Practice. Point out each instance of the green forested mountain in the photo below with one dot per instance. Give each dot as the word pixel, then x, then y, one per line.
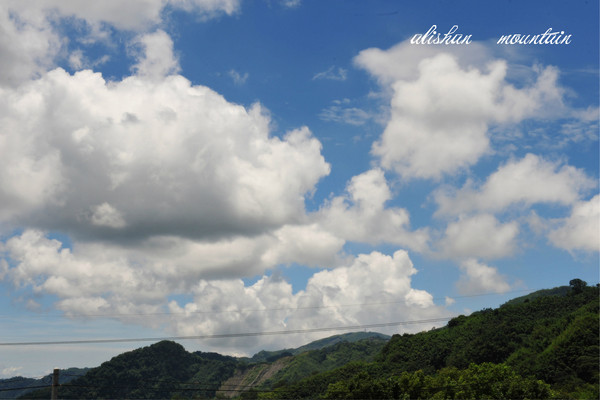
pixel 162 370
pixel 543 345
pixel 539 346
pixel 167 370
pixel 263 376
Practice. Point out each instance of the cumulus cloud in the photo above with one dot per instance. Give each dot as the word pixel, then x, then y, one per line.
pixel 444 103
pixel 100 279
pixel 480 278
pixel 362 216
pixel 480 236
pixel 581 230
pixel 401 61
pixel 527 181
pixel 172 158
pixel 346 295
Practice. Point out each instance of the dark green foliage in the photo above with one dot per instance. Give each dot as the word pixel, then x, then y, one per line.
pixel 557 291
pixel 577 285
pixel 489 335
pixel 495 381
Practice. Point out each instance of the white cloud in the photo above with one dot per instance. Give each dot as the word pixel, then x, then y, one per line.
pixel 104 279
pixel 347 115
pixel 479 236
pixel 106 215
pixel 8 372
pixel 582 126
pixel 479 278
pixel 332 74
pixel 306 244
pixel 581 230
pixel 30 41
pixel 331 298
pixel 28 48
pixel 442 105
pixel 172 158
pixel 78 61
pixel 401 62
pixel 362 216
pixel 527 181
pixel 155 58
pixel 291 3
pixel 238 79
pixel 99 277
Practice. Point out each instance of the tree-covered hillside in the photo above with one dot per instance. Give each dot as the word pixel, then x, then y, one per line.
pixel 540 346
pixel 167 370
pixel 161 371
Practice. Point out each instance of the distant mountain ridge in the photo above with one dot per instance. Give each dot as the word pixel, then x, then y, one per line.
pixel 265 355
pixel 17 386
pixel 126 373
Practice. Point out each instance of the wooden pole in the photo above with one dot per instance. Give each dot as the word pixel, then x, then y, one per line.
pixel 55 384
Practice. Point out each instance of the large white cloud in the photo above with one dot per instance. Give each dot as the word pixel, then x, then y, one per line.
pixel 441 110
pixel 347 295
pixel 159 154
pixel 524 182
pixel 135 285
pixel 97 277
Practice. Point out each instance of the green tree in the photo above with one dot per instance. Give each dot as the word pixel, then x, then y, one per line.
pixel 577 285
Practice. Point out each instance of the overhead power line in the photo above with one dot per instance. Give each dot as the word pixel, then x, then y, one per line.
pixel 226 335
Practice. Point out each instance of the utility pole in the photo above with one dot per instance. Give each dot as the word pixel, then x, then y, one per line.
pixel 55 384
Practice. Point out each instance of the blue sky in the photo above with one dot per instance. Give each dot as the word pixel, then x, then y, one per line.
pixel 199 167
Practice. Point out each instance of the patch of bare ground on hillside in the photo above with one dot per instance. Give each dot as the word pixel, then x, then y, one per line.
pixel 251 377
